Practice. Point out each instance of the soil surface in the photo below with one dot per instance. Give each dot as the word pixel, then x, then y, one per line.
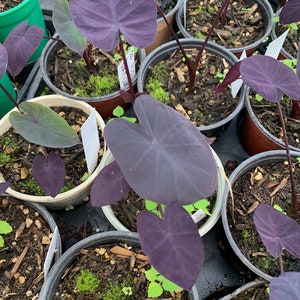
pixel 168 81
pixel 69 72
pixel 18 169
pixel 267 114
pixel 114 268
pixel 24 251
pixel 8 4
pixel 242 25
pixel 264 184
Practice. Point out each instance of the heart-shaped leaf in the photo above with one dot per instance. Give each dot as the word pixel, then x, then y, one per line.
pixel 109 186
pixel 164 157
pixel 277 230
pixel 4 186
pixel 49 172
pixel 285 286
pixel 41 125
pixel 21 43
pixel 270 78
pixel 290 12
pixel 172 244
pixel 66 28
pixel 101 21
pixel 3 60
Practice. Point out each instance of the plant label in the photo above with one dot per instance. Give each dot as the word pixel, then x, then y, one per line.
pixel 90 140
pixel 122 72
pixel 274 47
pixel 236 85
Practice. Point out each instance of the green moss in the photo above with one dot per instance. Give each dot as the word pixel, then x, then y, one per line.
pixel 156 90
pixel 31 187
pixel 117 290
pixel 86 281
pixel 4 158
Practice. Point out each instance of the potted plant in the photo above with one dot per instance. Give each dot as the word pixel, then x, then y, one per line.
pixel 14 13
pixel 99 69
pixel 40 125
pixel 123 249
pixel 30 244
pixel 244 25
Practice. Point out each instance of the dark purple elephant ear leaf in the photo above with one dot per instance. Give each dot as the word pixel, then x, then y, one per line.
pixel 49 172
pixel 290 12
pixel 277 231
pixel 264 74
pixel 172 244
pixel 4 186
pixel 285 286
pixel 3 60
pixel 102 21
pixel 109 186
pixel 21 43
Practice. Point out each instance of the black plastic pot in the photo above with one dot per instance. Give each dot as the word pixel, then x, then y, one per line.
pixel 260 159
pixel 267 13
pixel 110 237
pixel 167 49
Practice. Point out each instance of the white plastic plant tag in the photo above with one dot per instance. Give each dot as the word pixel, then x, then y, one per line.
pixel 123 80
pixel 51 252
pixel 90 140
pixel 236 85
pixel 198 216
pixel 275 46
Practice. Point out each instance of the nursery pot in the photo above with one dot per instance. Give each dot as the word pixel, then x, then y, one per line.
pixel 165 51
pixel 74 196
pixel 103 104
pixel 255 138
pixel 205 227
pixel 96 240
pixel 27 10
pixel 260 160
pixel 163 34
pixel 5 103
pixel 31 245
pixel 267 14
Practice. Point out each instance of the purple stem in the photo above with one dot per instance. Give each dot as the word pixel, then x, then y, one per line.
pixel 9 96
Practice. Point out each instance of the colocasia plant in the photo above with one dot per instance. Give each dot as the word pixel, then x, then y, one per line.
pixel 36 123
pixel 162 157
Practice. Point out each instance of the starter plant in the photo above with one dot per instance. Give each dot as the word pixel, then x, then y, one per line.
pixel 279 233
pixel 36 123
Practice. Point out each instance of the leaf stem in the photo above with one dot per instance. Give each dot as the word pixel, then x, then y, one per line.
pixel 9 96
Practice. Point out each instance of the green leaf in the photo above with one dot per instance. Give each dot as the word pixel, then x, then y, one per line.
pixel 169 286
pixel 118 111
pixel 41 125
pixel 203 204
pixel 5 227
pixel 151 274
pixel 154 290
pixel 1 241
pixel 150 205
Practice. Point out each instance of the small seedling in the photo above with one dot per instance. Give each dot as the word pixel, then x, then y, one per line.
pixel 119 112
pixel 5 228
pixel 158 284
pixel 86 281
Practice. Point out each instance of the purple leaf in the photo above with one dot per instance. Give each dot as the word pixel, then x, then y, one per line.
pixel 3 60
pixel 285 286
pixel 270 78
pixel 290 12
pixel 231 76
pixel 164 157
pixel 49 172
pixel 101 21
pixel 65 27
pixel 21 43
pixel 109 186
pixel 277 231
pixel 4 186
pixel 172 244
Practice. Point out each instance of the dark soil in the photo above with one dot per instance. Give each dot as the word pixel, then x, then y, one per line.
pixel 69 72
pixel 266 184
pixel 242 25
pixel 290 44
pixel 115 267
pixel 23 254
pixel 203 106
pixel 8 4
pixel 18 170
pixel 267 114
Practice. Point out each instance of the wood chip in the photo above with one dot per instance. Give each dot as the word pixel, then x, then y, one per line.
pixel 23 173
pixel 45 240
pixel 28 222
pixel 253 207
pixel 279 187
pixel 180 75
pixel 18 262
pixel 20 230
pixel 122 252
